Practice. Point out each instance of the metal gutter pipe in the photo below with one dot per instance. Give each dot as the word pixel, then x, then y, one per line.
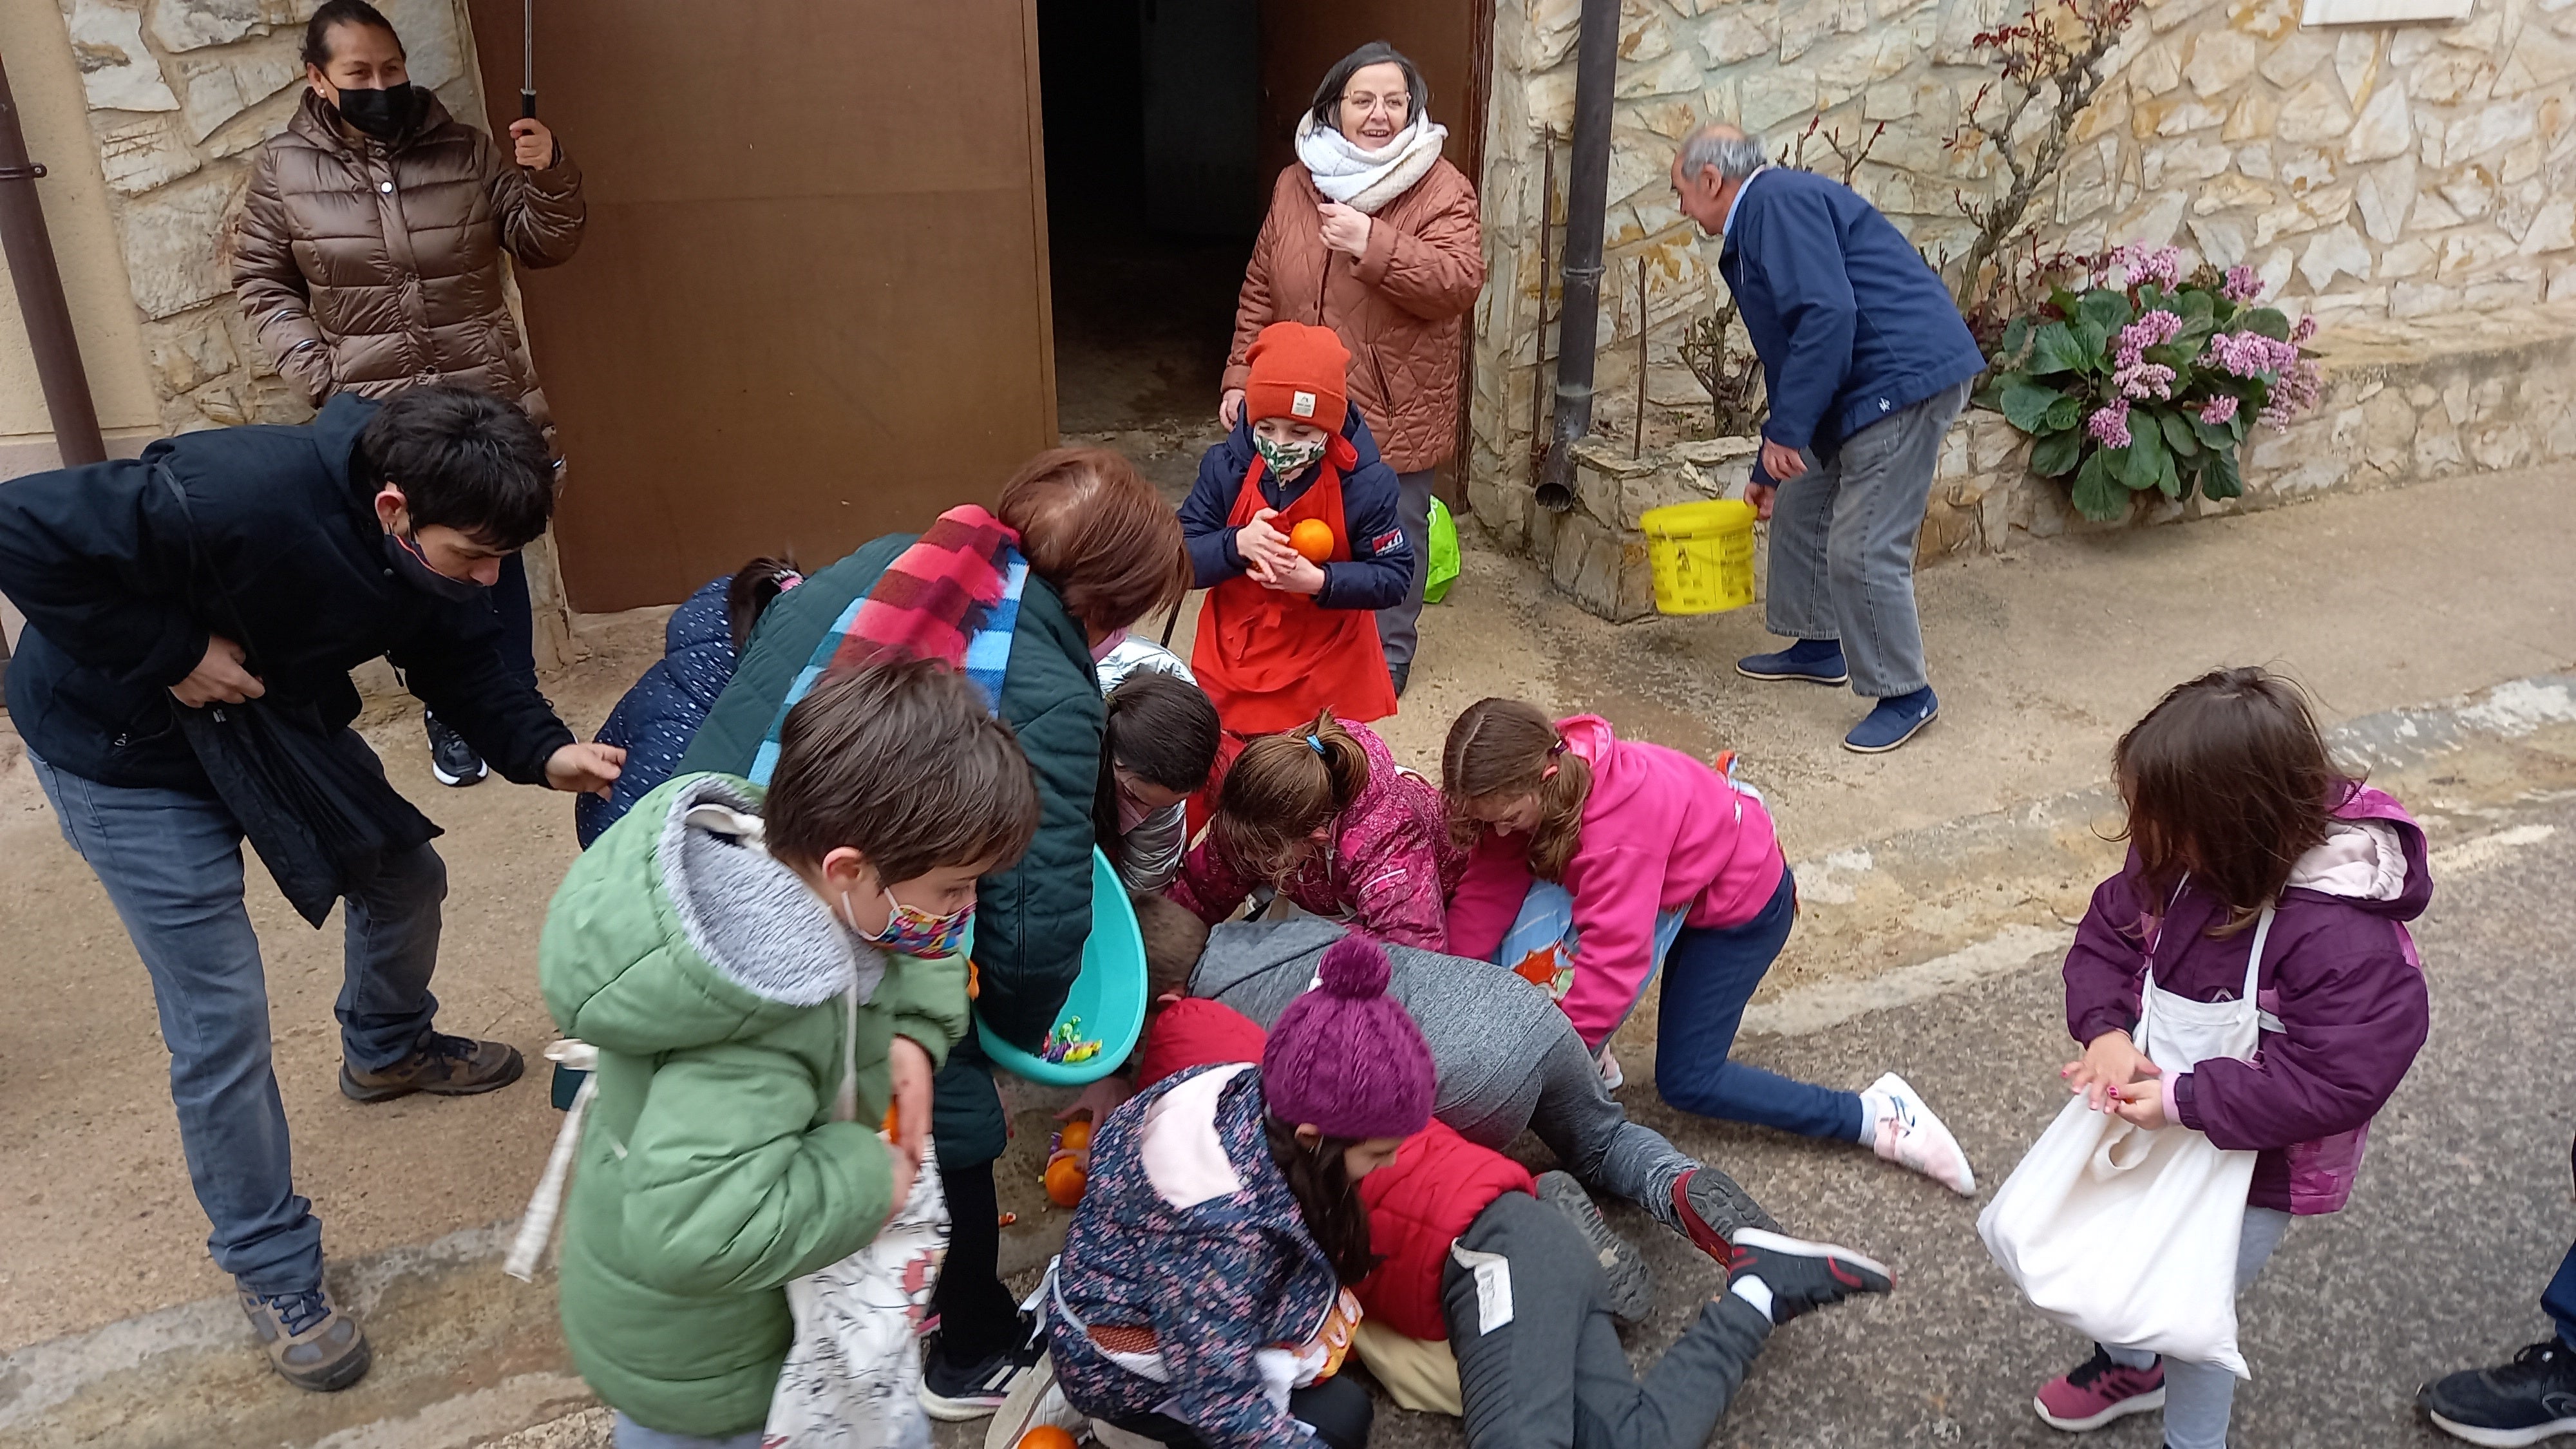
pixel 1587 204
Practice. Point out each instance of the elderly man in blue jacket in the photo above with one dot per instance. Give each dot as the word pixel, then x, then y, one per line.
pixel 1866 362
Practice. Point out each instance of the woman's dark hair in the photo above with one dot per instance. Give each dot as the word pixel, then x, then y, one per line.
pixel 1327 109
pixel 902 760
pixel 754 588
pixel 1280 789
pixel 1162 728
pixel 1505 747
pixel 317 31
pixel 1099 534
pixel 464 460
pixel 2229 782
pixel 1326 1197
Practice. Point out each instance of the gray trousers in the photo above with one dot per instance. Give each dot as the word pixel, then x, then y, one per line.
pixel 1398 628
pixel 1563 1101
pixel 1842 545
pixel 1554 1376
pixel 2199 1397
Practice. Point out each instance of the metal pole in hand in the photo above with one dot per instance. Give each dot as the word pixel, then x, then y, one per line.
pixel 527 59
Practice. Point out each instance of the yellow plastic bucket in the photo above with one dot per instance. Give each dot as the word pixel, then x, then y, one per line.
pixel 1702 555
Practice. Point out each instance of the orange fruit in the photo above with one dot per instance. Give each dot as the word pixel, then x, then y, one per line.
pixel 1075 1135
pixel 894 1120
pixel 1064 1182
pixel 1312 537
pixel 1046 1436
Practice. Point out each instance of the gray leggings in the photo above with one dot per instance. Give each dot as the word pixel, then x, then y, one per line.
pixel 2199 1396
pixel 1563 1101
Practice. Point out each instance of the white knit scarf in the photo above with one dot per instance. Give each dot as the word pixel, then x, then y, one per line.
pixel 1367 180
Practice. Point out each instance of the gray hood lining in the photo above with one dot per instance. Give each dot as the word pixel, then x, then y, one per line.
pixel 751 918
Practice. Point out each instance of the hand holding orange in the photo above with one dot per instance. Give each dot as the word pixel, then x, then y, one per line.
pixel 1312 537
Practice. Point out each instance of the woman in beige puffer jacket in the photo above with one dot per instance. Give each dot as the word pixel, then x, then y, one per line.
pixel 370 267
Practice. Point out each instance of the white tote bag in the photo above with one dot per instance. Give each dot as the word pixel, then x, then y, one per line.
pixel 2129 1236
pixel 853 1377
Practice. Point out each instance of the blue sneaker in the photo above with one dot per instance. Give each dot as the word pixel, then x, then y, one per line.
pixel 1893 723
pixel 1815 661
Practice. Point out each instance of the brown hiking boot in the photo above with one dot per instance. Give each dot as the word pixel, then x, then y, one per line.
pixel 310 1342
pixel 443 1066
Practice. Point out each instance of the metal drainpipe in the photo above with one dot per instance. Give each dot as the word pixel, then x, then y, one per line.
pixel 30 255
pixel 1587 204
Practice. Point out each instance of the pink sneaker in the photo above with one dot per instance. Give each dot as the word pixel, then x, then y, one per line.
pixel 1909 1135
pixel 2098 1391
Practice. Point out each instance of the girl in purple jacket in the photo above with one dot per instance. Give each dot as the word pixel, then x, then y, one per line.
pixel 2235 810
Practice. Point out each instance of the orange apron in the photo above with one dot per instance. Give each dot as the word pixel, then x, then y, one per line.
pixel 1270 660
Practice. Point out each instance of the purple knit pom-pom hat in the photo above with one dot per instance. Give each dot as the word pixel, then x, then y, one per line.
pixel 1344 1058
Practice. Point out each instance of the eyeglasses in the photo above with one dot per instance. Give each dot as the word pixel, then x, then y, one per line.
pixel 1398 103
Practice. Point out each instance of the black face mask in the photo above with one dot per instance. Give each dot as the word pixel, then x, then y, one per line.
pixel 388 114
pixel 414 570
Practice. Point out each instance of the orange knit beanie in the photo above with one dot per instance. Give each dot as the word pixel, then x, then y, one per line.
pixel 1298 372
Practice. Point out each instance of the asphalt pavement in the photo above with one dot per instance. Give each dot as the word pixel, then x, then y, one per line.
pixel 2462 1211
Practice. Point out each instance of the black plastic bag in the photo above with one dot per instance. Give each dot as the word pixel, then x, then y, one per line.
pixel 312 800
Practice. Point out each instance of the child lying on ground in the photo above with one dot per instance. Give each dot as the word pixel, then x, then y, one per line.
pixel 1460 1231
pixel 762 975
pixel 1506 1058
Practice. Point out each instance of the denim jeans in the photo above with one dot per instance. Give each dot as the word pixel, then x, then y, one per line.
pixel 1398 628
pixel 2201 1397
pixel 172 865
pixel 1842 546
pixel 2560 1300
pixel 1710 975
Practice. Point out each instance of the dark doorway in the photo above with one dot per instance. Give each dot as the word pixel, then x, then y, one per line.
pixel 1154 193
pixel 1167 122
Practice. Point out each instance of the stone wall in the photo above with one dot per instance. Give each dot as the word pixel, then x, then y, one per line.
pixel 2382 171
pixel 2405 402
pixel 181 93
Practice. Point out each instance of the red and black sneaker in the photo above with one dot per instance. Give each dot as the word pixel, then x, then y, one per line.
pixel 1713 1207
pixel 1797 1276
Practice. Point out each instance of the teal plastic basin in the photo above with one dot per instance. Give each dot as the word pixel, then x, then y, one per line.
pixel 1109 995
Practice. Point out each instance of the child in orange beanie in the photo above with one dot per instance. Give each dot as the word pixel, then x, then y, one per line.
pixel 1292 531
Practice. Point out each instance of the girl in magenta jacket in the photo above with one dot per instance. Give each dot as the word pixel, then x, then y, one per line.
pixel 2235 807
pixel 1630 830
pixel 1323 815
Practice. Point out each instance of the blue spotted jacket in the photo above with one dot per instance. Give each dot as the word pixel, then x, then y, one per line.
pixel 661 714
pixel 1217 1281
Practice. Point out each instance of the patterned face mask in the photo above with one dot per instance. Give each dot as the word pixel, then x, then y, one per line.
pixel 1287 460
pixel 910 932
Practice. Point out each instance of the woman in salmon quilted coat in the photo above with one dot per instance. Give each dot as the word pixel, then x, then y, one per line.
pixel 1372 234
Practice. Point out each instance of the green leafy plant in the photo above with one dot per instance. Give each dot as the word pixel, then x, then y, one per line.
pixel 2150 384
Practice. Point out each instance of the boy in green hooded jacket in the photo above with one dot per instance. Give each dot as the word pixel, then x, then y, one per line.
pixel 717 945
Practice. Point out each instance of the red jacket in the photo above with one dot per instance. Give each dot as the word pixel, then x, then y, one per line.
pixel 1418 1204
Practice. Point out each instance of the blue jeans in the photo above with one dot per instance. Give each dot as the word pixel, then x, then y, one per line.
pixel 1708 977
pixel 2559 1302
pixel 172 865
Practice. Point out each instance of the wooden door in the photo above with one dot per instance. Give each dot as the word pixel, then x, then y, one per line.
pixel 811 303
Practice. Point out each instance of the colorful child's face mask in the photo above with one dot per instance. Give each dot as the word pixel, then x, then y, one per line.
pixel 912 932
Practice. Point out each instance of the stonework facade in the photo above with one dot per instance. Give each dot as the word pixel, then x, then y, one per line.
pixel 181 93
pixel 2372 174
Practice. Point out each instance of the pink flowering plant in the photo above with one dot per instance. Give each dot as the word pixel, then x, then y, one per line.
pixel 2149 379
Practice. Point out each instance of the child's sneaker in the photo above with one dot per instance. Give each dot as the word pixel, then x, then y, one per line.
pixel 2097 1391
pixel 2522 1402
pixel 1908 1135
pixel 1713 1207
pixel 953 1393
pixel 1632 1283
pixel 1612 1077
pixel 1785 1277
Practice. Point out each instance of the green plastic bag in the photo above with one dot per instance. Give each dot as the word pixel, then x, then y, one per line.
pixel 1444 553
